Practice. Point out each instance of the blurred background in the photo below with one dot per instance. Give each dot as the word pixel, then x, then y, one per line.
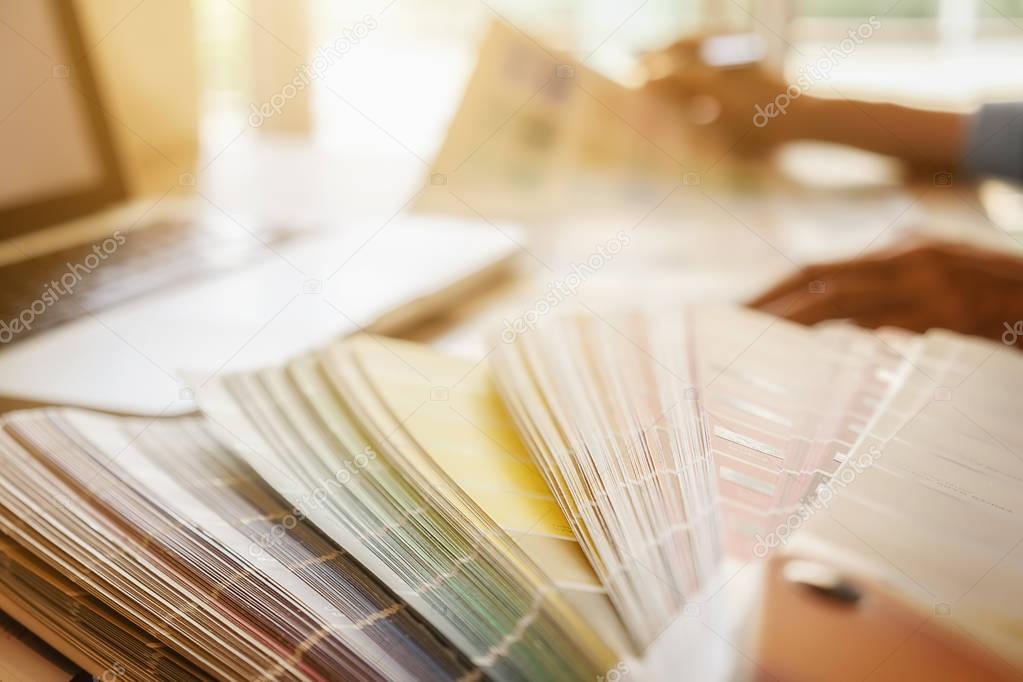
pixel 397 68
pixel 385 77
pixel 385 104
pixel 314 113
pixel 933 51
pixel 336 115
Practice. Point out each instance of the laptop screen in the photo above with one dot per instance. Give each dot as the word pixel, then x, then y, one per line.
pixel 58 160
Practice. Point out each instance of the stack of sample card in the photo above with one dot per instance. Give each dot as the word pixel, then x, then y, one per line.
pixel 406 459
pixel 145 546
pixel 930 498
pixel 672 440
pixel 784 405
pixel 380 510
pixel 619 436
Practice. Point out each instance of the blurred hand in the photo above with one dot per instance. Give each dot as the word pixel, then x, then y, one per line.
pixel 739 104
pixel 752 111
pixel 937 284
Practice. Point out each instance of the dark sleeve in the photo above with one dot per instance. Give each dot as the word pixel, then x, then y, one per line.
pixel 994 143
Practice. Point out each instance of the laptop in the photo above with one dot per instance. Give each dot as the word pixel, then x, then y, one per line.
pixel 107 303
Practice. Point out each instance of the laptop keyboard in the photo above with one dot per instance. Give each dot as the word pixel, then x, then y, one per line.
pixel 42 292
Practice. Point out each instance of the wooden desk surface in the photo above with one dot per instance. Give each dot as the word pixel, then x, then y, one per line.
pixel 707 245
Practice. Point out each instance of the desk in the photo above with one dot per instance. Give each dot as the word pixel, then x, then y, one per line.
pixel 705 245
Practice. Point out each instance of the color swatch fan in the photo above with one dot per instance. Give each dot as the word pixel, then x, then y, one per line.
pixel 620 439
pixel 677 439
pixel 378 510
